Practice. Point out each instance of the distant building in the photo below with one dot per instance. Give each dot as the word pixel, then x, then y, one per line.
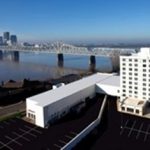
pixel 1 40
pixel 13 39
pixel 6 37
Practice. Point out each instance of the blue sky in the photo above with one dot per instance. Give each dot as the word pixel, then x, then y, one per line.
pixel 102 20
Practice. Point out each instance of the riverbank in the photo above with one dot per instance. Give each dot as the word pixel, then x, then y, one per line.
pixel 12 92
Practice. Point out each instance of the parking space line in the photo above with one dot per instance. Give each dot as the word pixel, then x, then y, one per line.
pixel 33 129
pixel 9 138
pixel 122 128
pixel 27 132
pixel 140 129
pixel 17 138
pixel 69 137
pixel 131 129
pixel 57 146
pixel 147 132
pixel 61 141
pixel 5 145
pixel 73 133
pixel 21 136
pixel 136 130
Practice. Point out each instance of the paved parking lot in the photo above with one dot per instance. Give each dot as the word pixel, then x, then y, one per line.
pixel 123 132
pixel 16 134
pixel 133 128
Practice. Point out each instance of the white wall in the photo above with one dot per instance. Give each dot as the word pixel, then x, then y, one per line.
pixel 108 89
pixel 66 103
pixel 37 111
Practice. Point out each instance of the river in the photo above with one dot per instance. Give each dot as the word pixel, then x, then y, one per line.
pixel 41 66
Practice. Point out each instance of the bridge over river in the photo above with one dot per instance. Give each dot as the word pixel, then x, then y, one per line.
pixel 61 48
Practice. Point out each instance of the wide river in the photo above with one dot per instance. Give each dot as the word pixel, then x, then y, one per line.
pixel 20 65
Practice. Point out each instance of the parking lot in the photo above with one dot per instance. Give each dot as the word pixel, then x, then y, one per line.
pixel 17 134
pixel 133 128
pixel 123 132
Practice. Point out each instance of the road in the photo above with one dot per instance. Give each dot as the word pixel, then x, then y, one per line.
pixel 4 111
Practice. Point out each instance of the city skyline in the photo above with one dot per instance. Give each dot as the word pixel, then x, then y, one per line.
pixel 98 20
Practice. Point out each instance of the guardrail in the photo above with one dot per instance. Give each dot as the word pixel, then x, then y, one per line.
pixel 87 130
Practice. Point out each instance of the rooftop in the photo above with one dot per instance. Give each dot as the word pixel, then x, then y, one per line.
pixel 134 102
pixel 52 96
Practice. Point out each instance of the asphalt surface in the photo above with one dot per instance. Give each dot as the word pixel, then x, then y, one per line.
pixel 119 132
pixel 16 134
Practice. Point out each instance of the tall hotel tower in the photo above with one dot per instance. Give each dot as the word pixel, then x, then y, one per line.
pixel 135 82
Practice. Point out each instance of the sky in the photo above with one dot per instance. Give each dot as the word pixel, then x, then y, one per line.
pixel 81 20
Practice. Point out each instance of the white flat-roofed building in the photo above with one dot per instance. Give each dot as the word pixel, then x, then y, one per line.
pixel 54 104
pixel 135 77
pixel 109 86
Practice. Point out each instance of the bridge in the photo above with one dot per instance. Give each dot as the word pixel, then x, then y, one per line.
pixel 61 48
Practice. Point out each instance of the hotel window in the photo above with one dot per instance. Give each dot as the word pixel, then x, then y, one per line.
pixel 130 69
pixel 130 87
pixel 144 79
pixel 135 78
pixel 135 88
pixel 123 73
pixel 136 65
pixel 130 110
pixel 144 75
pixel 135 74
pixel 123 59
pixel 130 78
pixel 124 86
pixel 123 68
pixel 144 60
pixel 130 82
pixel 123 108
pixel 124 81
pixel 123 64
pixel 144 84
pixel 135 92
pixel 144 89
pixel 144 65
pixel 130 64
pixel 130 91
pixel 137 111
pixel 130 73
pixel 144 93
pixel 144 70
pixel 130 59
pixel 135 60
pixel 135 69
pixel 124 90
pixel 135 83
